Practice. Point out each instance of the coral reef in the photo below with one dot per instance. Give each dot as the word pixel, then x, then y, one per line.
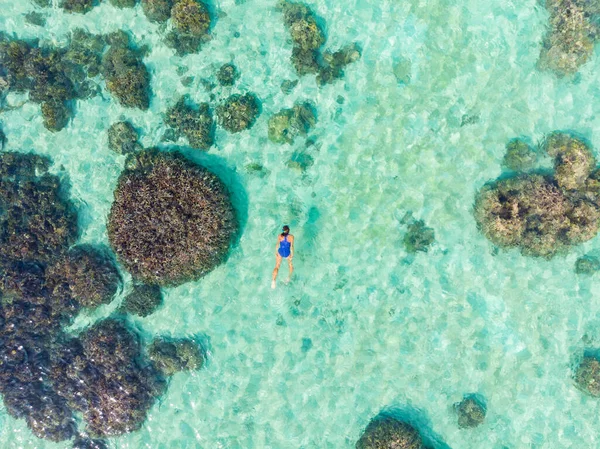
pixel 519 156
pixel 300 161
pixel 77 6
pixel 143 300
pixel 157 10
pixel 302 25
pixel 123 138
pixel 173 356
pixel 386 432
pixel 118 390
pixel 87 443
pixel 334 63
pixel 127 78
pixel 418 237
pixel 470 412
pixel 543 215
pixel 55 115
pixel 288 124
pixel 194 122
pixel 573 159
pixel 171 221
pixel 53 76
pixel 587 376
pixel 35 18
pixel 191 23
pixel 86 274
pixel 190 17
pixel 238 112
pixel 227 75
pixel 287 86
pixel 307 39
pixel 45 374
pixel 569 42
pixel 587 265
pixel 123 3
pixel 532 212
pixel 305 61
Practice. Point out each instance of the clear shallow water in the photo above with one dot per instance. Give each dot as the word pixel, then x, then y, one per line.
pixel 386 329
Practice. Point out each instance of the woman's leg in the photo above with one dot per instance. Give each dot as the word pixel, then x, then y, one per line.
pixel 276 270
pixel 291 267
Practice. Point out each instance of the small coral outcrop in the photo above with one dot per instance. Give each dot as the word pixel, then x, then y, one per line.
pixel 238 112
pixel 386 432
pixel 308 38
pixel 127 78
pixel 470 412
pixel 123 138
pixel 143 300
pixel 287 124
pixel 172 356
pixel 587 376
pixel 195 122
pixel 570 40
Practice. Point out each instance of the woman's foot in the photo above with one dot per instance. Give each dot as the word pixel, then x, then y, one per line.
pixel 273 283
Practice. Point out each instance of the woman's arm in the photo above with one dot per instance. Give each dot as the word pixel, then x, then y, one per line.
pixel 277 246
pixel 292 247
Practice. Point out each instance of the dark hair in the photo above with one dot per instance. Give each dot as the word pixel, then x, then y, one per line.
pixel 286 230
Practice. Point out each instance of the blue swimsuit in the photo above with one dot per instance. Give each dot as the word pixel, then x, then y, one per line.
pixel 284 247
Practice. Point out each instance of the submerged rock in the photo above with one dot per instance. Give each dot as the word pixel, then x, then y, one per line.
pixel 573 159
pixel 334 63
pixel 118 391
pixel 35 18
pixel 55 114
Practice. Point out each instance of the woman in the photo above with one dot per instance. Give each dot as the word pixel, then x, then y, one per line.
pixel 284 250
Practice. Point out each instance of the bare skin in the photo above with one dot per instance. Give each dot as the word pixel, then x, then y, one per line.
pixel 278 258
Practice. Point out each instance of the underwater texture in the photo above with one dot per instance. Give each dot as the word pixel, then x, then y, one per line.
pixel 393 115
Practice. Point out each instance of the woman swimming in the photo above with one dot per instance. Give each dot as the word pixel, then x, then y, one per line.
pixel 284 250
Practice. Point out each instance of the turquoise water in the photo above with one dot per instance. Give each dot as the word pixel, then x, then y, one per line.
pixel 386 329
